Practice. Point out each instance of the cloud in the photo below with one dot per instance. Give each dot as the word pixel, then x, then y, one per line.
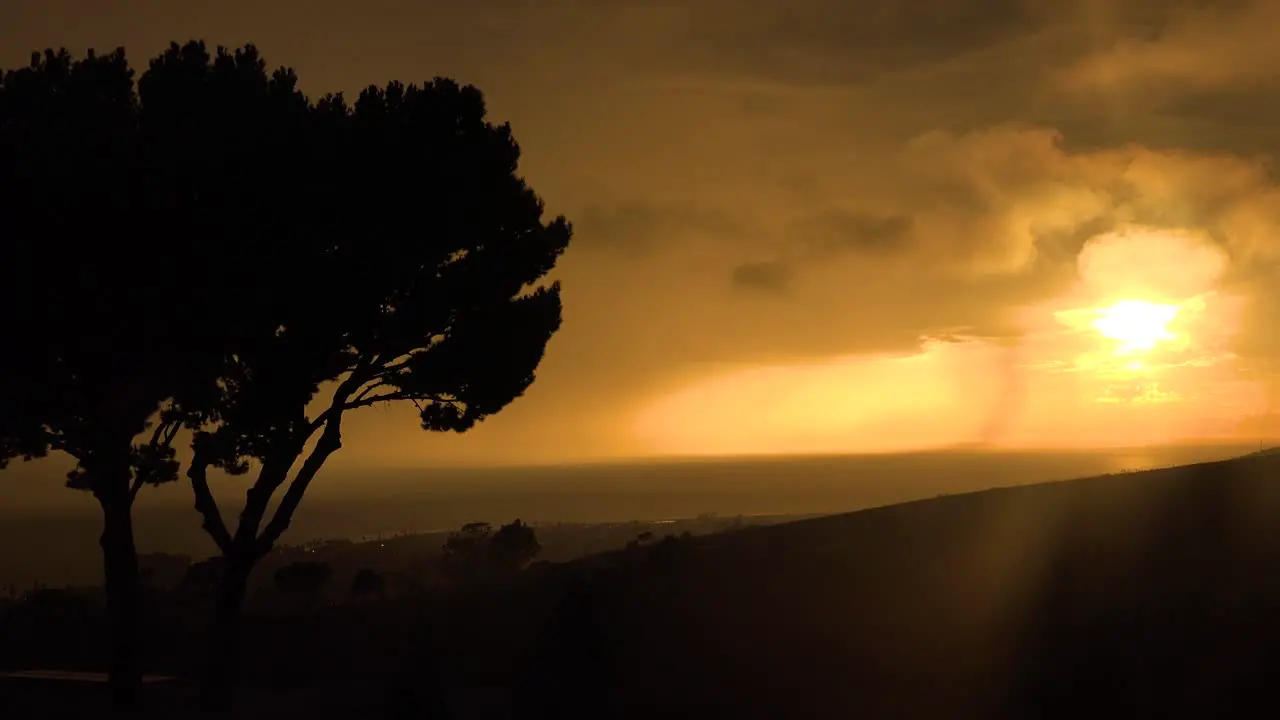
pixel 639 226
pixel 967 227
pixel 1203 46
pixel 809 42
pixel 874 172
pixel 995 200
pixel 1170 263
pixel 841 231
pixel 769 276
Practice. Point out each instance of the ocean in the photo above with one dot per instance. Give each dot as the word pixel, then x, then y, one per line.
pixel 56 543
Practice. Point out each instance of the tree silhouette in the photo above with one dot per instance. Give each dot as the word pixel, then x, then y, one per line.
pixel 513 547
pixel 302 580
pixel 202 579
pixel 117 286
pixel 367 583
pixel 477 552
pixel 404 267
pixel 643 539
pixel 70 388
pixel 466 551
pixel 164 571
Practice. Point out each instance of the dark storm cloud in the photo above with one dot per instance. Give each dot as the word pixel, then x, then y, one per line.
pixel 1249 109
pixel 1238 119
pixel 844 231
pixel 821 42
pixel 769 276
pixel 641 227
pixel 630 227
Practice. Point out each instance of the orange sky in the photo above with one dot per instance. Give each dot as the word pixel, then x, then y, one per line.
pixel 1135 352
pixel 840 225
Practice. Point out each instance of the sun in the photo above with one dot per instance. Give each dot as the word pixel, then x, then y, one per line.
pixel 1137 325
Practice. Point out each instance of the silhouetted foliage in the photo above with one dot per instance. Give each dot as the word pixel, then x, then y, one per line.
pixel 118 285
pixel 477 552
pixel 57 626
pixel 389 252
pixel 513 547
pixel 640 541
pixel 201 579
pixel 672 552
pixel 368 583
pixel 465 553
pixel 303 580
pixel 163 570
pixel 262 247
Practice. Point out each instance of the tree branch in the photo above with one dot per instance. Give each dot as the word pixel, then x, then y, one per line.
pixel 399 395
pixel 274 474
pixel 161 437
pixel 316 424
pixel 158 434
pixel 375 399
pixel 136 486
pixel 172 433
pixel 206 505
pixel 368 388
pixel 361 381
pixel 329 443
pixel 397 365
pixel 371 381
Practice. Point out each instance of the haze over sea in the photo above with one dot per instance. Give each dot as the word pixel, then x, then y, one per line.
pixel 345 503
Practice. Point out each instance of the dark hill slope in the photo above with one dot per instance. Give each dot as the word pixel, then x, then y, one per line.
pixel 1152 594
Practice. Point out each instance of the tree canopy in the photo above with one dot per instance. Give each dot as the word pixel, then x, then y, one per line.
pixel 145 222
pixel 213 250
pixel 387 251
pixel 478 551
pixel 122 265
pixel 87 301
pixel 407 270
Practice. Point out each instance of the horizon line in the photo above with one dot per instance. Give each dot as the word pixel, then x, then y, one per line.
pixel 763 457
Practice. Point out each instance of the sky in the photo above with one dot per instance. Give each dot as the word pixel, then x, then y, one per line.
pixel 838 225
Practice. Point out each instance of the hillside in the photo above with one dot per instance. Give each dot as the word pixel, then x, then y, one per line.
pixel 1141 595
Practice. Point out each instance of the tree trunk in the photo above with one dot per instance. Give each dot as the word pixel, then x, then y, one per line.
pixel 217 693
pixel 121 586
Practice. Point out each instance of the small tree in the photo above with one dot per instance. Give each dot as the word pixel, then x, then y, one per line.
pixel 477 552
pixel 367 583
pixel 406 267
pixel 513 547
pixel 672 553
pixel 302 580
pixel 202 579
pixel 164 571
pixel 641 540
pixel 466 552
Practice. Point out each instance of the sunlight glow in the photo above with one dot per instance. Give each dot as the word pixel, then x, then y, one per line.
pixel 1137 325
pixel 873 403
pixel 1136 352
